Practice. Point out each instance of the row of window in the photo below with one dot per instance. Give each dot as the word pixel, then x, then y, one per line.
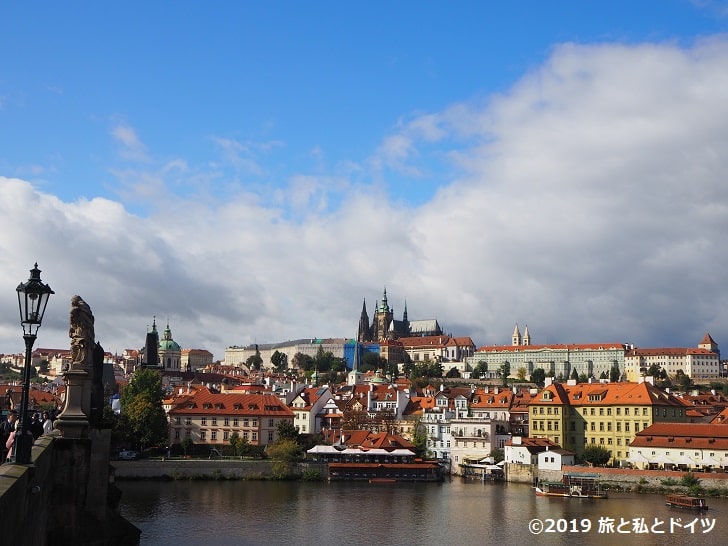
pixel 540 410
pixel 554 425
pixel 251 436
pixel 226 421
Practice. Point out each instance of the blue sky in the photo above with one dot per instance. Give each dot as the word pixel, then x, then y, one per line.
pixel 491 163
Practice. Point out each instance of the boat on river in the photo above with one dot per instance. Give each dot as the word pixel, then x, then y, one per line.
pixel 585 486
pixel 686 501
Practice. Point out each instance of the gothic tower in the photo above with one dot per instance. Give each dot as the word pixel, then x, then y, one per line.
pixel 383 318
pixel 516 339
pixel 150 352
pixel 526 336
pixel 364 334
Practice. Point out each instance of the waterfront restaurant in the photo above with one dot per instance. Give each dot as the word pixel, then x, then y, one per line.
pixel 374 464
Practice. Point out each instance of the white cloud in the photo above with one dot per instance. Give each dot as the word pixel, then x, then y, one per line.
pixel 130 147
pixel 588 202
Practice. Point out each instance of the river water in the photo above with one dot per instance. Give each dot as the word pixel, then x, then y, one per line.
pixel 456 512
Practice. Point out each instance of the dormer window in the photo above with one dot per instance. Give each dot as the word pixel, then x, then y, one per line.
pixel 547 395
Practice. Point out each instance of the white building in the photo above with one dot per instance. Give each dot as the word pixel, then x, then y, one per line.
pixel 701 362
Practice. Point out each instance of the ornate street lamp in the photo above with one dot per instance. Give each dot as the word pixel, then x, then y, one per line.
pixel 32 300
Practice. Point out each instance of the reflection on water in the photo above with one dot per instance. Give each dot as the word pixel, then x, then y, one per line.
pixel 452 513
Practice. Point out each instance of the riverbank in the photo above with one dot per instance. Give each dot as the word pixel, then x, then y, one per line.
pixel 214 469
pixel 612 479
pixel 652 481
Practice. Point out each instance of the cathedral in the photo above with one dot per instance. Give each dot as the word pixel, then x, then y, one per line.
pixel 385 327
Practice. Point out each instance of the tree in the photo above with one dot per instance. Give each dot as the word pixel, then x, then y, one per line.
pixel 303 362
pixel 614 374
pixel 141 406
pixel 254 362
pixel 521 373
pixel 419 439
pixel 656 371
pixel 497 454
pixel 574 374
pixel 283 452
pixel 504 371
pixel 596 455
pixel 453 372
pixel 480 370
pixel 186 445
pixel 538 376
pixel 683 380
pixel 355 419
pixel 287 430
pixel 279 361
pixel 240 444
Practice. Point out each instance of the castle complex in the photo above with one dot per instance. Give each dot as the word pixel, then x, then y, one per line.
pixel 384 327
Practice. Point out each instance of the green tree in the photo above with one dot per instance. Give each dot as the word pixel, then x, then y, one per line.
pixel 279 361
pixel 497 454
pixel 596 455
pixel 480 370
pixel 614 374
pixel 284 450
pixel 303 362
pixel 141 406
pixel 283 453
pixel 656 371
pixel 254 362
pixel 453 372
pixel 241 446
pixel 683 380
pixel 574 374
pixel 504 371
pixel 287 430
pixel 538 376
pixel 186 445
pixel 419 439
pixel 372 362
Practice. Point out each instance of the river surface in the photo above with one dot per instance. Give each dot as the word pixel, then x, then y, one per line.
pixel 453 513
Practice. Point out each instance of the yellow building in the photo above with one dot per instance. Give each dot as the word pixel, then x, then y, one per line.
pixel 605 414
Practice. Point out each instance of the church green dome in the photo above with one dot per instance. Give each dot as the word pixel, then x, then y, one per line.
pixel 167 343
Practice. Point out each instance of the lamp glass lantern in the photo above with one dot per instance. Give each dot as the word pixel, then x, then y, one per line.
pixel 32 301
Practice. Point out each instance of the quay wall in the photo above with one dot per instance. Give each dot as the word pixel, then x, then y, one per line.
pixel 215 469
pixel 624 477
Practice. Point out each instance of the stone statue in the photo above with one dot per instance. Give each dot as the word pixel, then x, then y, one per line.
pixel 82 334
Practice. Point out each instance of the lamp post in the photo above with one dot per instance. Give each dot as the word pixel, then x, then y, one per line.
pixel 32 300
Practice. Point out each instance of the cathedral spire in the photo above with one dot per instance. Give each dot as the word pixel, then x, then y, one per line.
pixel 364 333
pixel 516 339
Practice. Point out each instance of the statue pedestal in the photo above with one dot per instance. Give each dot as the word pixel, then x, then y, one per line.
pixel 73 422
